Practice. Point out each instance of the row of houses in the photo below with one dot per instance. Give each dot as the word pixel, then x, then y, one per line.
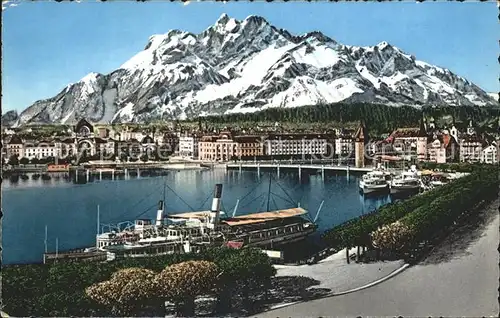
pixel 440 146
pixel 421 144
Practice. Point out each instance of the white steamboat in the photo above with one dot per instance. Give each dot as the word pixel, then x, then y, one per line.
pixel 195 231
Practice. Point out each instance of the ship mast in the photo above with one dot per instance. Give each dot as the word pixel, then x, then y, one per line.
pixel 98 225
pixel 269 193
pixel 45 241
pixel 164 189
pixel 98 221
pixel 236 207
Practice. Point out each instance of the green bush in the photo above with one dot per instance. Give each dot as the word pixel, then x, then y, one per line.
pixel 394 236
pixel 59 289
pixel 181 283
pixel 441 213
pixel 129 292
pixel 356 232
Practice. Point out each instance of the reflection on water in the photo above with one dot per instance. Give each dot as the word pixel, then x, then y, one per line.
pixel 69 209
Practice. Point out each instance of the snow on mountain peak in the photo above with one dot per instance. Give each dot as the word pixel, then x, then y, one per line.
pixel 225 24
pixel 250 65
pixel 89 78
pixel 223 19
pixel 382 45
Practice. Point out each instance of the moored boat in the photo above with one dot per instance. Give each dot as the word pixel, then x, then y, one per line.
pixel 373 185
pixel 406 182
pixel 196 231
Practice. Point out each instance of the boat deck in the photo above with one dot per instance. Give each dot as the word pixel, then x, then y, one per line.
pixel 252 218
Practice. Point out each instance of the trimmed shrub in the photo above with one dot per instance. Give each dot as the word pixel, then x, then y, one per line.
pixel 395 236
pixel 60 289
pixel 466 192
pixel 129 291
pixel 181 283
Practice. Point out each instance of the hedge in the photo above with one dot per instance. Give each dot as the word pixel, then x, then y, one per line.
pixel 425 222
pixel 356 232
pixel 59 289
pixel 458 167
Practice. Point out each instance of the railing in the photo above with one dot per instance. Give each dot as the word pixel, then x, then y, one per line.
pixel 275 231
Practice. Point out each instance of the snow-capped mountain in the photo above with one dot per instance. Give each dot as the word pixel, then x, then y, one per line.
pixel 495 96
pixel 246 66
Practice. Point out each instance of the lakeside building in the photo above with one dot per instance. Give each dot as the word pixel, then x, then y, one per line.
pixel 422 144
pixel 471 148
pixel 68 147
pixel 489 154
pixel 344 143
pixel 249 146
pixel 170 142
pixel 15 147
pixel 217 148
pixel 103 132
pixel 295 144
pixel 409 142
pixel 225 147
pixel 130 134
pixel 41 149
pixel 443 149
pixel 188 146
pixel 148 144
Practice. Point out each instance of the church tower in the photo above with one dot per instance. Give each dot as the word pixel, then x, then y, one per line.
pixel 470 130
pixel 422 141
pixel 360 139
pixel 454 132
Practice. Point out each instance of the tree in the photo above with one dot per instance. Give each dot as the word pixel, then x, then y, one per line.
pixel 144 158
pixel 24 161
pixel 182 282
pixel 248 267
pixel 14 160
pixel 129 291
pixel 48 160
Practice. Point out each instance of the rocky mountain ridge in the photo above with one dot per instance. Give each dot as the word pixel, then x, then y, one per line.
pixel 246 66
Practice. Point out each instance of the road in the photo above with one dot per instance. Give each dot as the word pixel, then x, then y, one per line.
pixel 459 278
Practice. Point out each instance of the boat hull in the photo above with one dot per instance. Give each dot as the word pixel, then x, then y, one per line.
pixel 375 189
pixel 282 240
pixel 404 189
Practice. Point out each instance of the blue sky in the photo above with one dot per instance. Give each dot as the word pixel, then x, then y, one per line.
pixel 47 45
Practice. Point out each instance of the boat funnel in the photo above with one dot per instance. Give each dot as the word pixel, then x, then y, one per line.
pixel 215 211
pixel 159 214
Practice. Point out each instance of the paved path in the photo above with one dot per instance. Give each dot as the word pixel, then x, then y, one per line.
pixel 336 275
pixel 460 278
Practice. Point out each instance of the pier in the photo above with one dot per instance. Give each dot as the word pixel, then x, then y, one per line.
pixel 298 166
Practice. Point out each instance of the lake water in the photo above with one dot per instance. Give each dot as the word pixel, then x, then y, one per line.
pixel 70 210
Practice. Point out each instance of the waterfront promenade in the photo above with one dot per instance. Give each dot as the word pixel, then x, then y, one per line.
pixel 459 278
